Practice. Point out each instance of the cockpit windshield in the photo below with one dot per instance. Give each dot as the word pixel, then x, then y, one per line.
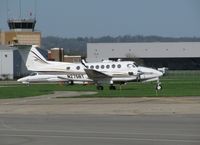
pixel 136 65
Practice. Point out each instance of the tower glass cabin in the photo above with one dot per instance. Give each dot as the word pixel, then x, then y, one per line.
pixel 21 25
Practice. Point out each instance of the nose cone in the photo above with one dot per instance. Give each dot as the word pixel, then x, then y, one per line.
pixel 19 80
pixel 22 79
pixel 150 71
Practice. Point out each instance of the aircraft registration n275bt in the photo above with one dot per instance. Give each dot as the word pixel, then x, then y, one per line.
pixel 105 72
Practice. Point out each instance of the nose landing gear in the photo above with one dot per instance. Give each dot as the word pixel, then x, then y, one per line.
pixel 158 86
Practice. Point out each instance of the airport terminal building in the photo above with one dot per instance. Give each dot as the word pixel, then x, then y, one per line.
pixel 173 55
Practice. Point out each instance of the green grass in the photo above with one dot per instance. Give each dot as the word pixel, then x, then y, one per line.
pixel 174 84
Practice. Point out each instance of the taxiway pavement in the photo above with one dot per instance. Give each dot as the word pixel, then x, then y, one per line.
pixel 99 129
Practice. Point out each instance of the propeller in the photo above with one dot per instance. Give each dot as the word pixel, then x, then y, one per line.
pixel 139 73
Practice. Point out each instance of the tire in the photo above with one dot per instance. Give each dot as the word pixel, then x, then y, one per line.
pixel 99 87
pixel 112 87
pixel 158 87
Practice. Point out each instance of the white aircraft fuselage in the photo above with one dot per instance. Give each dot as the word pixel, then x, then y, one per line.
pixel 110 72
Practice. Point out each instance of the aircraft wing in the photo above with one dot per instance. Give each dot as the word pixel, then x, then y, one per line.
pixel 96 75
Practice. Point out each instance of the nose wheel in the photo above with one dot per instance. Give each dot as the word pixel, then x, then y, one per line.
pixel 158 86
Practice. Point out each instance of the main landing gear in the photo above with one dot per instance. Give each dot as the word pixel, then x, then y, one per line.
pixel 99 87
pixel 111 87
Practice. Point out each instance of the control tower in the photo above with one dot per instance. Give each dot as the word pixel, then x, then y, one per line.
pixel 21 32
pixel 20 35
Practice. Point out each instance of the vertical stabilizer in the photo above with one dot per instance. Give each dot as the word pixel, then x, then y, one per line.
pixel 35 59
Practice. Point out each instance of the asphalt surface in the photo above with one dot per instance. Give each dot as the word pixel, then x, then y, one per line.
pixel 60 103
pixel 54 120
pixel 99 129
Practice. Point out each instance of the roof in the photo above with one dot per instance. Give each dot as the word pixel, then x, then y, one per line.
pixel 5 47
pixel 144 50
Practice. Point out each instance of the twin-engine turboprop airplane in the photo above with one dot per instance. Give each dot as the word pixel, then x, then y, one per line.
pixel 110 72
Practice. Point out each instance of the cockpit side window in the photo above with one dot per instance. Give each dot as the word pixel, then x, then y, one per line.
pixel 131 65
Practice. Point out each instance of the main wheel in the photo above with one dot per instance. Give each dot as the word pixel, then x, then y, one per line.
pixel 112 87
pixel 99 87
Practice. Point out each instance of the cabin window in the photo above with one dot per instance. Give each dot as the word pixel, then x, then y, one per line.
pixel 119 66
pixel 91 67
pixel 97 66
pixel 113 66
pixel 107 66
pixel 78 67
pixel 67 68
pixel 102 66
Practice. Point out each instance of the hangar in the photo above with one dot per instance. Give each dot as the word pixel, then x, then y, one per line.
pixel 9 62
pixel 173 55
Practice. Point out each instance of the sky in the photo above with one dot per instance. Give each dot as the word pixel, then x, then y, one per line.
pixel 96 18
